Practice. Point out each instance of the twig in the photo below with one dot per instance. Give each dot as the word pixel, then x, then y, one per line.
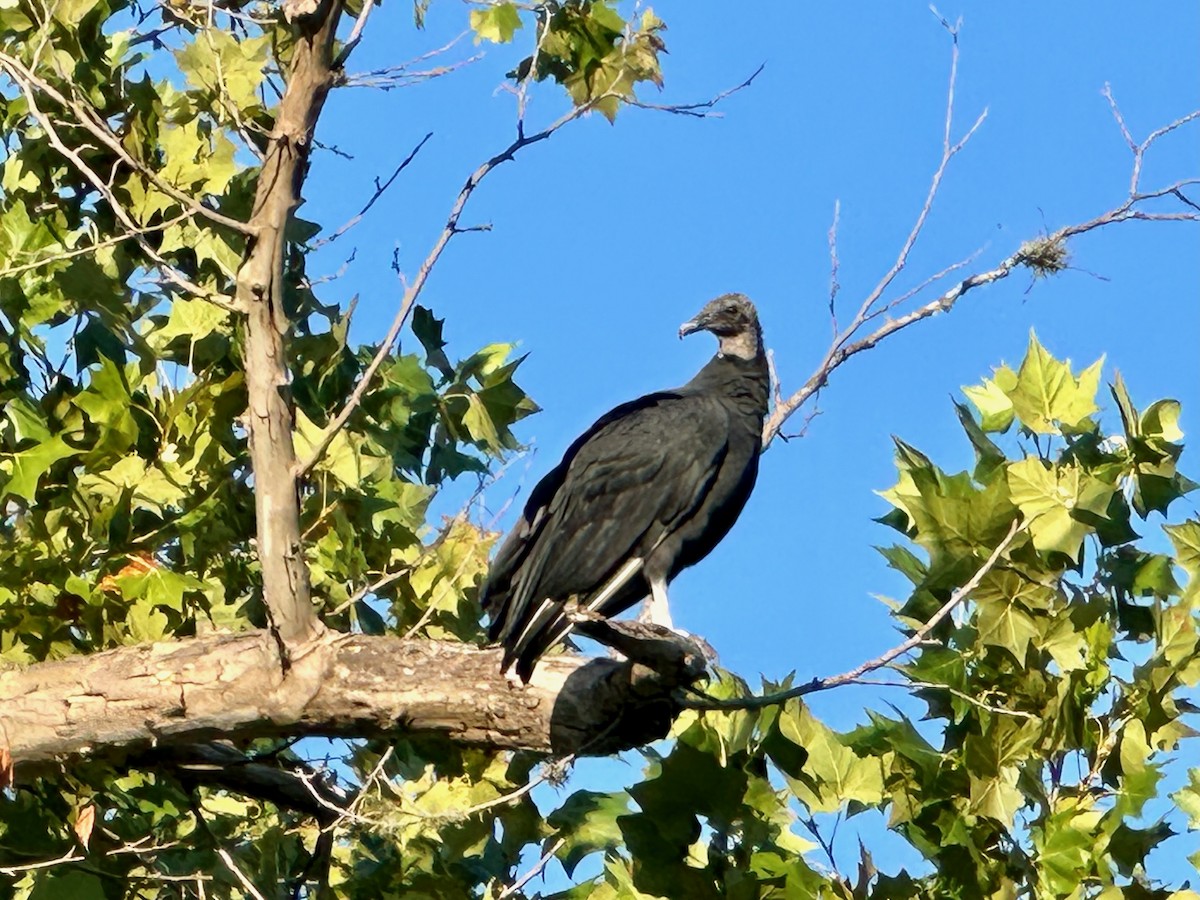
pixel 949 151
pixel 69 857
pixel 810 825
pixel 1139 150
pixel 413 291
pixel 533 872
pixel 842 347
pixel 239 874
pixel 355 35
pixel 917 638
pixel 701 110
pixel 379 77
pixel 93 247
pixel 379 191
pixel 933 685
pixel 834 286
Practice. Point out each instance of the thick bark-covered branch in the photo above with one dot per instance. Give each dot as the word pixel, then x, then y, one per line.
pixel 234 687
pixel 260 293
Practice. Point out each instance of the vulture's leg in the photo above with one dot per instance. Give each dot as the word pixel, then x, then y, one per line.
pixel 655 610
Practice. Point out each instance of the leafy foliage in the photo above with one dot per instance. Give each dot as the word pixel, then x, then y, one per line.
pixel 1053 700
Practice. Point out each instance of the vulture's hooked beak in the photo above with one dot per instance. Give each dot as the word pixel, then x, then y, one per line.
pixel 690 327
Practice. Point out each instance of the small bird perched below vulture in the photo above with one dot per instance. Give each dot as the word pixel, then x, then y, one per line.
pixel 644 493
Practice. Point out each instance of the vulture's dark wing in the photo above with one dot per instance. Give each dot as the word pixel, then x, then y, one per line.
pixel 622 487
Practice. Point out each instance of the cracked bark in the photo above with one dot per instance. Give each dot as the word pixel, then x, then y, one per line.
pixel 121 703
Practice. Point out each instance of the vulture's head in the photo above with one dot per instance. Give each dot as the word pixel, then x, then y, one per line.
pixel 733 319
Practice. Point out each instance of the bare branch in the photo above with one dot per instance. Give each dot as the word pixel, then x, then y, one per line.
pixel 834 286
pixel 949 151
pixel 404 75
pixel 845 346
pixel 452 228
pixel 355 34
pixel 239 874
pixel 379 191
pixel 534 870
pixel 917 638
pixel 702 110
pixel 413 291
pixel 934 686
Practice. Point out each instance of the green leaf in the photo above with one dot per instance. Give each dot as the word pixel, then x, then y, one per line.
pixel 1047 398
pixel 834 775
pixel 1187 798
pixel 68 885
pixel 190 319
pixel 992 400
pixel 1049 497
pixel 1139 777
pixel 587 823
pixel 1130 846
pixel 988 457
pixel 429 332
pixel 1186 538
pixel 1161 420
pixel 997 797
pixel 496 23
pixel 1007 626
pixel 25 468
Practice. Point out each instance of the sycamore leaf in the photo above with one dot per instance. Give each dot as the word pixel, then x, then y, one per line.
pixel 496 23
pixel 193 319
pixel 587 823
pixel 1161 420
pixel 834 775
pixel 1187 798
pixel 997 797
pixel 1048 496
pixel 1047 398
pixel 25 468
pixel 992 400
pixel 1186 538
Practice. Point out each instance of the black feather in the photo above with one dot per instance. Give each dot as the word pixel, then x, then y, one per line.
pixel 661 478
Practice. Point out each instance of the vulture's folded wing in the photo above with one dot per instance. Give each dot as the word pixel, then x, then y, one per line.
pixel 622 487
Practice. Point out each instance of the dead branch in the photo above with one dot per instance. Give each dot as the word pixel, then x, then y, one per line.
pixel 380 189
pixel 848 342
pixel 413 291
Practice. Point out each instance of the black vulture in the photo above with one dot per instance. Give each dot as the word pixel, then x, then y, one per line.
pixel 644 493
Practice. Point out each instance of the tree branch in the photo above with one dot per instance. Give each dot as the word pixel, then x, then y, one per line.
pixel 260 291
pixel 126 701
pixel 413 291
pixel 914 640
pixel 1031 255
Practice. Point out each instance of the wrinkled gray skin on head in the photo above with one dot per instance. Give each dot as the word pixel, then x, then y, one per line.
pixel 731 317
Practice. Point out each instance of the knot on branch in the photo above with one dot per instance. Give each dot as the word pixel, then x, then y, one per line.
pixel 606 705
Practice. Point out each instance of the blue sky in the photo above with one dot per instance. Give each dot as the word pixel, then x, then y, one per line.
pixel 605 238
